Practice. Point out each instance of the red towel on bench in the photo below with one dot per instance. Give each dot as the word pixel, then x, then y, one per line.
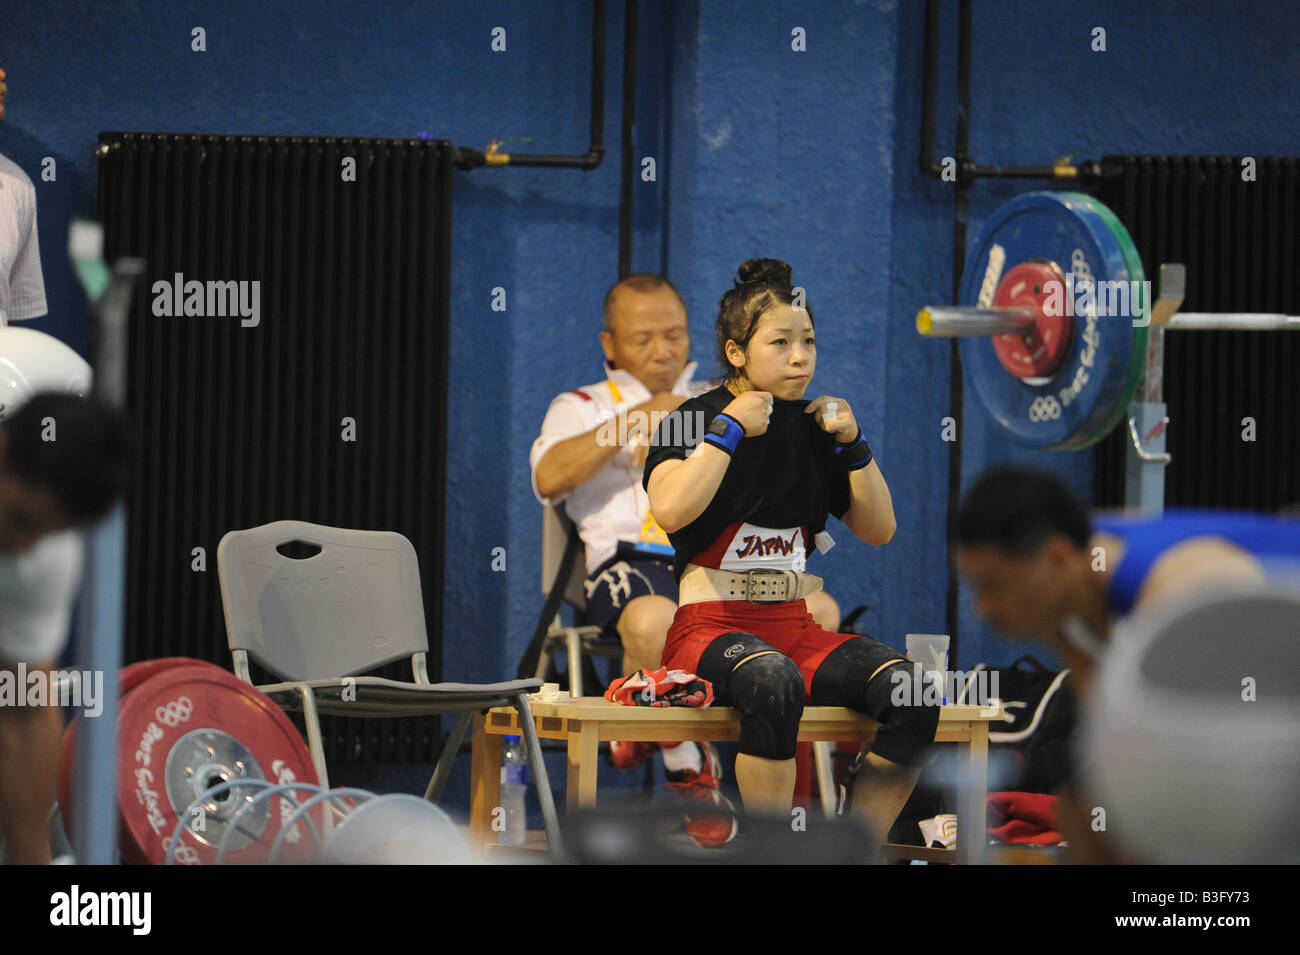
pixel 662 687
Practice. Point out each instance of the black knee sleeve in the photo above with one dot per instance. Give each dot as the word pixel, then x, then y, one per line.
pixel 840 679
pixel 768 691
pixel 895 697
pixel 908 713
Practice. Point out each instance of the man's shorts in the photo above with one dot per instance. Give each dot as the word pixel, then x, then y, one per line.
pixel 629 574
pixel 787 627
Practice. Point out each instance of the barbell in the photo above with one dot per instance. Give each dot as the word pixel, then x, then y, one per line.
pixel 1058 323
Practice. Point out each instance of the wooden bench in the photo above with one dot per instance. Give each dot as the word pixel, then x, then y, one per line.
pixel 586 722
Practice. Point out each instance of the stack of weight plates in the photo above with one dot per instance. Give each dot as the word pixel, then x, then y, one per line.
pixel 185 727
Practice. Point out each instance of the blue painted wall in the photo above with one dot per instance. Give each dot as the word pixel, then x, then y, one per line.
pixel 760 151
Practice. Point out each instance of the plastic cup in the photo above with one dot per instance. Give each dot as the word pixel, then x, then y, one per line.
pixel 930 650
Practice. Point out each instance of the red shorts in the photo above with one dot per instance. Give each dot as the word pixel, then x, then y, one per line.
pixel 787 627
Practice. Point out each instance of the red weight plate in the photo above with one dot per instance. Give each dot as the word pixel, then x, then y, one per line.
pixel 128 678
pixel 133 674
pixel 1038 352
pixel 185 730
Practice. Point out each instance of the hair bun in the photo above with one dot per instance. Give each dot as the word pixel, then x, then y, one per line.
pixel 765 271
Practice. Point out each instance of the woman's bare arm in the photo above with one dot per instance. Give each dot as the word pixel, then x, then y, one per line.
pixel 680 490
pixel 871 513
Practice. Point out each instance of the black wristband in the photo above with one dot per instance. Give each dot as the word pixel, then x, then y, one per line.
pixel 854 455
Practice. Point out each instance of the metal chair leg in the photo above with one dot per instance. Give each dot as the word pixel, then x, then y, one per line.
pixel 543 660
pixel 573 640
pixel 540 777
pixel 441 772
pixel 825 777
pixel 317 745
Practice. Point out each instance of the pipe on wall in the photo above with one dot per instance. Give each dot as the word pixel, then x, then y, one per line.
pixel 468 159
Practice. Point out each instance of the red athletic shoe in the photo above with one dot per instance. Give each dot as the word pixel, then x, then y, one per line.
pixel 630 755
pixel 707 829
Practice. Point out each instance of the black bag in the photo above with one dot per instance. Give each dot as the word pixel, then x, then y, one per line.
pixel 1030 752
pixel 1041 715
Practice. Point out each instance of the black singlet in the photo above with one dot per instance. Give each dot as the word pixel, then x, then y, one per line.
pixel 786 477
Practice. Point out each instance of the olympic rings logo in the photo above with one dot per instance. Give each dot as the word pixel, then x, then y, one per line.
pixel 1044 408
pixel 1079 265
pixel 185 855
pixel 175 712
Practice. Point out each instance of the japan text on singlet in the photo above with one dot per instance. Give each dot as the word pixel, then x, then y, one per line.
pixel 775 496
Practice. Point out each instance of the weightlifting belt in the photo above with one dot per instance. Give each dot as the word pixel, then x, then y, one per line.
pixel 759 586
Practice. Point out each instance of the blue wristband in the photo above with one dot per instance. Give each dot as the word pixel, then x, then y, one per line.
pixel 731 434
pixel 856 454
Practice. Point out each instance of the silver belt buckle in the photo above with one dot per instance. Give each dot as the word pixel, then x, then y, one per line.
pixel 767 578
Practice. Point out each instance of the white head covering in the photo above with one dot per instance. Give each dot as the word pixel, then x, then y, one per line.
pixel 31 361
pixel 1192 734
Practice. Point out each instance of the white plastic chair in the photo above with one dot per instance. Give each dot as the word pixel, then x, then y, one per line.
pixel 354 605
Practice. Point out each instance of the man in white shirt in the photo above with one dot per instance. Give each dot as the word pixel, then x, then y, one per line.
pixel 590 456
pixel 598 476
pixel 63 461
pixel 22 289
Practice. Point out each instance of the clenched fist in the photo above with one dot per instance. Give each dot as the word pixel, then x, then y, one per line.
pixel 835 416
pixel 753 410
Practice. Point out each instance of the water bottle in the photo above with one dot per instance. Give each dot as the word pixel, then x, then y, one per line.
pixel 514 781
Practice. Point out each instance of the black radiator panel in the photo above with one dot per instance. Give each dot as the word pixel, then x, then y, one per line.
pixel 1238 240
pixel 241 425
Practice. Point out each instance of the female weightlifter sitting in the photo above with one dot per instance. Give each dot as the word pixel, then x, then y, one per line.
pixel 742 479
